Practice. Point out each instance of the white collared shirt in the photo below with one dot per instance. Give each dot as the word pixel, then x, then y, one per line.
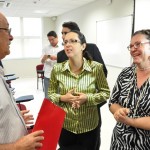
pixel 48 65
pixel 12 125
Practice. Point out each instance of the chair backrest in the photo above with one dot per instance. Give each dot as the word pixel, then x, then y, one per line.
pixel 40 67
pixel 40 71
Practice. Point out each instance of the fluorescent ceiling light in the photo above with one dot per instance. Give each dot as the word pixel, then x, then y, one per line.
pixel 41 11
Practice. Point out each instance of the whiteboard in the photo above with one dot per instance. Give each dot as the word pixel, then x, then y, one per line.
pixel 113 37
pixel 142 11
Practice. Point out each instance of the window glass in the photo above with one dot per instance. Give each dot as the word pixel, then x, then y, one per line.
pixel 32 48
pixel 31 26
pixel 15 25
pixel 27 33
pixel 15 49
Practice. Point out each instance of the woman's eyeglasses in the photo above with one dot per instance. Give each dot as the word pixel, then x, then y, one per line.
pixel 71 41
pixel 137 45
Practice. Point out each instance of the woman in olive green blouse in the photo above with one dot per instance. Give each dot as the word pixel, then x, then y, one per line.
pixel 82 85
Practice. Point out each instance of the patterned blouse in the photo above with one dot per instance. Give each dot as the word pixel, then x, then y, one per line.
pixel 90 81
pixel 127 94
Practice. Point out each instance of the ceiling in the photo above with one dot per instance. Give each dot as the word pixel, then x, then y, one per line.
pixel 39 8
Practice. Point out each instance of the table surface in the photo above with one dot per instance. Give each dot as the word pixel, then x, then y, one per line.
pixel 9 78
pixel 24 98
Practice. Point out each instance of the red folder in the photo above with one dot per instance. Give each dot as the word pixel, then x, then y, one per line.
pixel 50 119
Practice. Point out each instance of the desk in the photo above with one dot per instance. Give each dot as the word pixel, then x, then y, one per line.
pixel 24 98
pixel 7 75
pixel 10 78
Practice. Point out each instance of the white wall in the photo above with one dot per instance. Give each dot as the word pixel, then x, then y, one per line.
pixel 86 18
pixel 87 15
pixel 142 10
pixel 47 25
pixel 21 67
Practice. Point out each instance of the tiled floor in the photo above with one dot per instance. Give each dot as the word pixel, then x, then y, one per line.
pixel 27 86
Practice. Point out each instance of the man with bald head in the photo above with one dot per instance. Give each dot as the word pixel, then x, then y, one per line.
pixel 13 131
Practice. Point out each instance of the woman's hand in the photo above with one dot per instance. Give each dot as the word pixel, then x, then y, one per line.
pixel 76 99
pixel 69 97
pixel 121 115
pixel 82 98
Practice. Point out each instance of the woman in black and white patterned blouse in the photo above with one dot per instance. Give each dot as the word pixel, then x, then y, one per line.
pixel 130 99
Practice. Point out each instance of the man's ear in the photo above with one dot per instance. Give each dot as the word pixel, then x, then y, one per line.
pixel 83 46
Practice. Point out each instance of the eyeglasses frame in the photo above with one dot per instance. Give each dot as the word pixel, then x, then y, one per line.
pixel 71 41
pixel 137 45
pixel 6 29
